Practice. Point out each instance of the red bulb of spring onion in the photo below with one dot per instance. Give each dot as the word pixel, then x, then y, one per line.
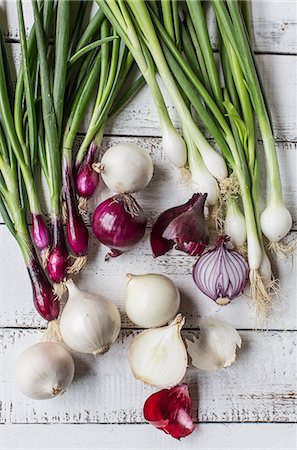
pixel 170 410
pixel 183 226
pixel 57 260
pixel 77 232
pixel 87 178
pixel 44 299
pixel 221 273
pixel 40 233
pixel 119 223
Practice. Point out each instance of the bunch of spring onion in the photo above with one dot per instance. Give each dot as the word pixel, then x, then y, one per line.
pixel 173 40
pixel 54 86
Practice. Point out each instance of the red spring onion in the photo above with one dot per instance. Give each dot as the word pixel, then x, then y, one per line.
pixel 77 232
pixel 221 273
pixel 57 260
pixel 119 223
pixel 45 301
pixel 40 233
pixel 183 226
pixel 170 410
pixel 87 178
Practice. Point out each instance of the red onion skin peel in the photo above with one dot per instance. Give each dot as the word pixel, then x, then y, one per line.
pixel 183 226
pixel 87 178
pixel 40 233
pixel 221 273
pixel 119 223
pixel 170 410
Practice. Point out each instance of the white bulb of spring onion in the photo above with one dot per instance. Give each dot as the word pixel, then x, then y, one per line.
pixel 126 168
pixel 158 356
pixel 235 226
pixel 204 182
pixel 90 323
pixel 276 222
pixel 152 300
pixel 44 370
pixel 174 146
pixel 216 346
pixel 265 269
pixel 213 161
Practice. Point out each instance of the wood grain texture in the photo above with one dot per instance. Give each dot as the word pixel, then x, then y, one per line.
pixel 274 24
pixel 257 388
pixel 144 437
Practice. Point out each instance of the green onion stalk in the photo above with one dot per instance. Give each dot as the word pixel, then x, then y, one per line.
pixel 230 138
pixel 25 152
pixel 52 90
pixel 230 20
pixel 14 214
pixel 119 16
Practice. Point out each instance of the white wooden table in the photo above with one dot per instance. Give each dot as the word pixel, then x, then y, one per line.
pixel 251 405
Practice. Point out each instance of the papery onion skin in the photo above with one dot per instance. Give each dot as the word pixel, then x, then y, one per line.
pixel 90 323
pixel 152 300
pixel 115 226
pixel 159 244
pixel 221 273
pixel 44 370
pixel 170 410
pixel 126 168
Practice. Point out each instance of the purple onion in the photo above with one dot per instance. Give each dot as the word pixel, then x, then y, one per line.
pixel 119 223
pixel 44 299
pixel 87 178
pixel 221 273
pixel 77 232
pixel 40 233
pixel 57 261
pixel 183 226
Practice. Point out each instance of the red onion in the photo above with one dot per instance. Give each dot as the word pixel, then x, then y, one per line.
pixel 40 233
pixel 57 260
pixel 87 178
pixel 183 226
pixel 221 273
pixel 119 223
pixel 45 301
pixel 170 410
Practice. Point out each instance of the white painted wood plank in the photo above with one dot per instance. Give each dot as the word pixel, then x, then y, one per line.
pixel 259 387
pixel 164 191
pixel 278 73
pixel 274 24
pixel 144 437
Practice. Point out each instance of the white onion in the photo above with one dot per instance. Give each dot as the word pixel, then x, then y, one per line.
pixel 276 222
pixel 216 346
pixel 126 168
pixel 152 300
pixel 44 370
pixel 90 323
pixel 158 356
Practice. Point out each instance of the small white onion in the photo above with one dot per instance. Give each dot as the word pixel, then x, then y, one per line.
pixel 152 300
pixel 126 168
pixel 90 323
pixel 44 370
pixel 216 346
pixel 158 356
pixel 276 222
